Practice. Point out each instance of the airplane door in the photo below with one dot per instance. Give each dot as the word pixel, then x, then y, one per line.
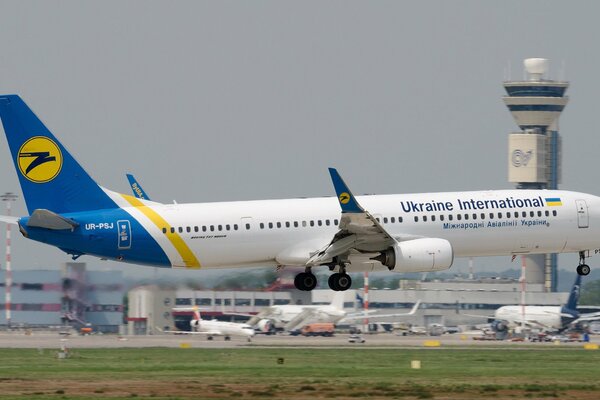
pixel 583 219
pixel 124 227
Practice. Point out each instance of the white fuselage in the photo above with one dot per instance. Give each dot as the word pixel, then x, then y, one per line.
pixel 287 232
pixel 547 317
pixel 213 327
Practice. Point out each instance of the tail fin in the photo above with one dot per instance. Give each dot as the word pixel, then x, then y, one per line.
pixel 574 295
pixel 50 177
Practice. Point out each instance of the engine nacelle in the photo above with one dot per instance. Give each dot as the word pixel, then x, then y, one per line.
pixel 418 255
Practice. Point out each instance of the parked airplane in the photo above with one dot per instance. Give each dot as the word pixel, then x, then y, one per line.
pixel 400 233
pixel 291 317
pixel 212 328
pixel 547 318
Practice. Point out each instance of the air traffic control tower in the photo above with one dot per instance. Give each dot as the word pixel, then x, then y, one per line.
pixel 534 152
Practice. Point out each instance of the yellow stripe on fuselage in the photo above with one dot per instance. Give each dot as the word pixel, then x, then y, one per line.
pixel 180 245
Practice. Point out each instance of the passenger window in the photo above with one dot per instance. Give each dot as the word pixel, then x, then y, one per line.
pixel 433 218
pixel 466 216
pixel 531 214
pixel 195 228
pixel 336 222
pixel 203 228
pixel 188 229
pixel 474 216
pixel 482 215
pixel 164 230
pixel 400 219
pixel 547 213
pixel 319 222
pixel 327 222
pixel 247 227
pixel 499 215
pixel 180 229
pixel 491 215
pixel 172 230
pixel 385 220
pixel 227 227
pixel 212 228
pixel 441 217
pixel 312 223
pixel 524 214
pixel 424 218
pixel 416 219
pixel 393 220
pixel 235 227
pixel 304 224
pixel 554 213
pixel 220 227
pixel 295 224
pixel 450 217
pixel 539 213
pixel 270 225
pixel 262 226
pixel 377 218
pixel 459 216
pixel 287 224
pixel 279 224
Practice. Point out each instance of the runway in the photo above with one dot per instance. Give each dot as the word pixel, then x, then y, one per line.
pixel 54 340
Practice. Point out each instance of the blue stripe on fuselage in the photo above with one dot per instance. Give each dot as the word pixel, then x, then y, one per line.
pixel 98 235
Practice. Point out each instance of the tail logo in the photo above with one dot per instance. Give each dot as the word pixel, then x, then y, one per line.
pixel 39 159
pixel 344 198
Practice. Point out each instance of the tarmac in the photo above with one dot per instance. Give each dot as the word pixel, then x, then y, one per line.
pixel 45 340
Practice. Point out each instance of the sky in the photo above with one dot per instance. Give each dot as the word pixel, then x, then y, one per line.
pixel 237 100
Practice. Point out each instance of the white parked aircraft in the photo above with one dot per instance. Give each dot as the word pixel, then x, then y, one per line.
pixel 400 233
pixel 212 328
pixel 551 318
pixel 290 317
pixel 546 318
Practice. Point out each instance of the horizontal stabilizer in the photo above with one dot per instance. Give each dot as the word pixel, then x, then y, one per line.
pixel 47 219
pixel 9 219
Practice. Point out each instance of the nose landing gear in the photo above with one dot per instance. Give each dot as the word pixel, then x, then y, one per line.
pixel 583 269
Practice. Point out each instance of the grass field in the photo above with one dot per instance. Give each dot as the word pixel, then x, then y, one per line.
pixel 259 373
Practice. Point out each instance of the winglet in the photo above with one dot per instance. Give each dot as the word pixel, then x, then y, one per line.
pixel 345 197
pixel 136 188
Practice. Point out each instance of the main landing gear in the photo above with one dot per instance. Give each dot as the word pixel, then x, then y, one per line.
pixel 338 281
pixel 582 268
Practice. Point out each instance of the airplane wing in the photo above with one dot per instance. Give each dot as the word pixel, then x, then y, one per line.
pixel 359 230
pixel 368 315
pixel 589 317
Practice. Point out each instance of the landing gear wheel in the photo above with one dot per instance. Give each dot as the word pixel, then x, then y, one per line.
pixel 333 282
pixel 305 281
pixel 339 281
pixel 344 282
pixel 583 269
pixel 227 338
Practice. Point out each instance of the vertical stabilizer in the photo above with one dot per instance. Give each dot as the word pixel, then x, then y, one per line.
pixel 50 177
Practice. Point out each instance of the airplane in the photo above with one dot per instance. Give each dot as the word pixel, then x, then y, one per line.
pixel 290 317
pixel 212 328
pixel 546 318
pixel 399 233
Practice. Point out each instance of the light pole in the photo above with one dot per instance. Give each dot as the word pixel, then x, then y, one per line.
pixel 8 198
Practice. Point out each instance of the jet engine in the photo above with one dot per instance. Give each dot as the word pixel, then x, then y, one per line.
pixel 266 326
pixel 418 255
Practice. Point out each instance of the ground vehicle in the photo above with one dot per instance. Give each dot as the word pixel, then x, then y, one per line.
pixel 318 329
pixel 356 339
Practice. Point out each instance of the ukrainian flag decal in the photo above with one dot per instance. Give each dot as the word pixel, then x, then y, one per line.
pixel 553 201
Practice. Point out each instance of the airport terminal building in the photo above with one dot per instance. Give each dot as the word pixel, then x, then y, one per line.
pixel 71 296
